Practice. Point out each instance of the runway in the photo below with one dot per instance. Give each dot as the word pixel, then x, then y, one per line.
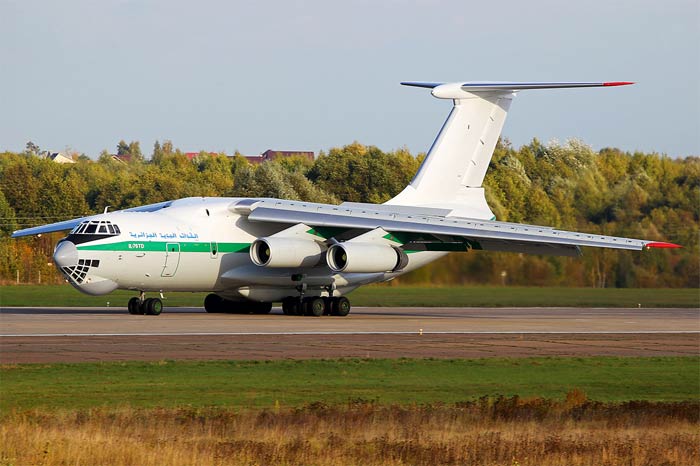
pixel 101 334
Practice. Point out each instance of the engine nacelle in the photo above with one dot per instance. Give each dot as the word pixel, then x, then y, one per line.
pixel 286 252
pixel 365 258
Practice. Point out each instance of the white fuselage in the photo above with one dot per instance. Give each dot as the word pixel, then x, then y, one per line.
pixel 199 244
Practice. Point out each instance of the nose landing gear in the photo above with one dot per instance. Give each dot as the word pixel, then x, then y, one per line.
pixel 141 306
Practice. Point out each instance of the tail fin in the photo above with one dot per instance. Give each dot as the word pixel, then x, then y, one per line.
pixel 452 173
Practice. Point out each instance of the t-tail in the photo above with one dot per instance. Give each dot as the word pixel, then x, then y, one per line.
pixel 453 171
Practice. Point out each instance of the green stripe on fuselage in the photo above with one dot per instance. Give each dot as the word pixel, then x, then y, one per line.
pixel 160 246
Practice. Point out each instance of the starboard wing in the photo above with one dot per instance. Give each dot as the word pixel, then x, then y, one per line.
pixel 431 231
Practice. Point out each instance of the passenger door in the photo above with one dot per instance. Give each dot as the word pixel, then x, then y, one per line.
pixel 172 259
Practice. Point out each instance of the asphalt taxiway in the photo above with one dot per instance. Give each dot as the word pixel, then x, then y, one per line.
pixel 98 334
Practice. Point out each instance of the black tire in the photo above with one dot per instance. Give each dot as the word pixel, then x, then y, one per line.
pixel 235 307
pixel 134 306
pixel 263 308
pixel 304 307
pixel 328 309
pixel 315 307
pixel 145 305
pixel 213 303
pixel 341 306
pixel 294 307
pixel 154 306
pixel 286 305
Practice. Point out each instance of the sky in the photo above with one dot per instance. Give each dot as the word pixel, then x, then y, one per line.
pixel 311 75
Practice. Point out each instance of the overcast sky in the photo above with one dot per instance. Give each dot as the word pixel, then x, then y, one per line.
pixel 310 75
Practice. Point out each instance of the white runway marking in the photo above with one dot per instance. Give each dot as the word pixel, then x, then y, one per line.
pixel 220 334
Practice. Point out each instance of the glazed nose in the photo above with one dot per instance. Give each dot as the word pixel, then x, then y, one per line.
pixel 66 254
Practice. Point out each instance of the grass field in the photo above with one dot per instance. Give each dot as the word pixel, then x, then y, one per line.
pixel 525 412
pixel 495 431
pixel 480 296
pixel 266 384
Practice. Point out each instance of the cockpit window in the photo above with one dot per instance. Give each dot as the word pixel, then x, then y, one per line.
pixel 96 227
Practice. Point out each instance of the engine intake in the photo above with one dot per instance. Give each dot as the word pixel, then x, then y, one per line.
pixel 365 258
pixel 285 252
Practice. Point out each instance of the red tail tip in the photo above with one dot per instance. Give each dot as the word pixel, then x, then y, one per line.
pixel 663 245
pixel 618 83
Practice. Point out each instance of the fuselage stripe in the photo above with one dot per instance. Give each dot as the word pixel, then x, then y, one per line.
pixel 161 246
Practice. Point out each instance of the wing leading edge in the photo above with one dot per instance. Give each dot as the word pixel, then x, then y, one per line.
pixel 70 224
pixel 431 231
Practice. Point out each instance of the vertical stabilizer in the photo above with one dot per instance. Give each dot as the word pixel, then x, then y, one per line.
pixel 453 171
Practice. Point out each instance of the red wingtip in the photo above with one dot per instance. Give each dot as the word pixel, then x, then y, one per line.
pixel 618 83
pixel 663 245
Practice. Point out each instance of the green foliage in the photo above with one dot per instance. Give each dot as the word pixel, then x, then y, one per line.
pixel 133 149
pixel 568 186
pixel 359 173
pixel 8 220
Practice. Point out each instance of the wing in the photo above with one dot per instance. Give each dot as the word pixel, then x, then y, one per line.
pixel 418 229
pixel 70 224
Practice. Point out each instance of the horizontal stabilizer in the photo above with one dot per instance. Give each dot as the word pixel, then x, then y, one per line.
pixel 482 86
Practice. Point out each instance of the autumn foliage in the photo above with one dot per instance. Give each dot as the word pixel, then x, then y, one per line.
pixel 568 186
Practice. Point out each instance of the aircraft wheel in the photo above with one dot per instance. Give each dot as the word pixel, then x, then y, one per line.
pixel 305 306
pixel 341 306
pixel 213 303
pixel 328 309
pixel 287 305
pixel 315 307
pixel 134 306
pixel 295 307
pixel 153 306
pixel 235 307
pixel 262 308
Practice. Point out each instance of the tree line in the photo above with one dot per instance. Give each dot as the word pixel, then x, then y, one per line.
pixel 567 186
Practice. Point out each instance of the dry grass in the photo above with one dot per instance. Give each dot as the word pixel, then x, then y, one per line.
pixel 490 431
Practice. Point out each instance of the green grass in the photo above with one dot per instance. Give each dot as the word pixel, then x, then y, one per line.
pixel 478 296
pixel 262 384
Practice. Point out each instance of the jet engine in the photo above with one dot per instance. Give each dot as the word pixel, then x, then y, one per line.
pixel 285 252
pixel 365 258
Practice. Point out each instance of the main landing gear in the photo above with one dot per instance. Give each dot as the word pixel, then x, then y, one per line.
pixel 215 303
pixel 141 306
pixel 316 306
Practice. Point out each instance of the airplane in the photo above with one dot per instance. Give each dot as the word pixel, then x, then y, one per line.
pixel 250 252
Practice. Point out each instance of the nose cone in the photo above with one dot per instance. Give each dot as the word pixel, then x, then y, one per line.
pixel 66 254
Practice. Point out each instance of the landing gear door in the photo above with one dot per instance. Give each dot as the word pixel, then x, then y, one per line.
pixel 172 259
